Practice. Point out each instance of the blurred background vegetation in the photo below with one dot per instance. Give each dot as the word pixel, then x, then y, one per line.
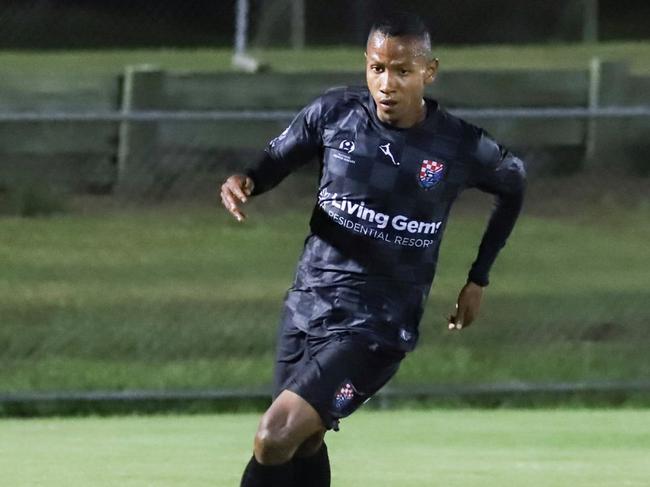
pixel 120 273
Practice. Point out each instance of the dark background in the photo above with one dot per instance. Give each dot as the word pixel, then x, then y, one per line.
pixel 62 24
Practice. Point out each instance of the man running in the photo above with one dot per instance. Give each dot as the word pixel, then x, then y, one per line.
pixel 392 163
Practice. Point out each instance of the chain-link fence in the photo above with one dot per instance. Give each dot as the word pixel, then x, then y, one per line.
pixel 132 283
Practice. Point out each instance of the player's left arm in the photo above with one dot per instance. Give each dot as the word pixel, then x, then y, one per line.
pixel 501 173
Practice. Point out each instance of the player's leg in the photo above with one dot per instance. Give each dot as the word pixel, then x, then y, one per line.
pixel 311 464
pixel 291 355
pixel 343 372
pixel 286 425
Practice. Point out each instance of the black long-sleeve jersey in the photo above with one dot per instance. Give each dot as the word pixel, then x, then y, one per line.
pixel 383 200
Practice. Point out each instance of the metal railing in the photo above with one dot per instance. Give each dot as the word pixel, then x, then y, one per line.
pixel 639 111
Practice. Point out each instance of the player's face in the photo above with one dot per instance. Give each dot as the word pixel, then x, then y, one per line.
pixel 397 70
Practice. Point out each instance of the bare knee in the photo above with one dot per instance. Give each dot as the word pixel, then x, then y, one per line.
pixel 274 440
pixel 284 427
pixel 311 445
pixel 272 447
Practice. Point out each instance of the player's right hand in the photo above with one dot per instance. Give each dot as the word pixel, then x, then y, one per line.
pixel 235 191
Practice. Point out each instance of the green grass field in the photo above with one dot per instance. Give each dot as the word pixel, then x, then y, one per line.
pixel 347 58
pixel 182 297
pixel 462 448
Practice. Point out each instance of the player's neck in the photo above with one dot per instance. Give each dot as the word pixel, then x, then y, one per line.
pixel 418 117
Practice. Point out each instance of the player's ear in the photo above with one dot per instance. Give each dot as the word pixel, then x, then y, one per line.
pixel 431 71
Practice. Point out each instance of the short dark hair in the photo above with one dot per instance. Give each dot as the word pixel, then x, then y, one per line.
pixel 402 24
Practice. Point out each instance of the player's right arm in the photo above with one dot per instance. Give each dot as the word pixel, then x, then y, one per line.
pixel 297 145
pixel 235 191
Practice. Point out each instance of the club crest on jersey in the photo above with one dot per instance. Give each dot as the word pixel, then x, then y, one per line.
pixel 344 396
pixel 431 173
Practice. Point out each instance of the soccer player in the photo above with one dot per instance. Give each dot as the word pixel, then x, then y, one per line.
pixel 391 164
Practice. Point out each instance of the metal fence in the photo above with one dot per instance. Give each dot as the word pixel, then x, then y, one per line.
pixel 122 281
pixel 158 302
pixel 522 113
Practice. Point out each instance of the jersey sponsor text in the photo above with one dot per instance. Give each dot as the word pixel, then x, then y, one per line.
pixel 383 222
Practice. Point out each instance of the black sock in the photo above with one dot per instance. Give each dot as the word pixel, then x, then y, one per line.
pixel 313 471
pixel 258 475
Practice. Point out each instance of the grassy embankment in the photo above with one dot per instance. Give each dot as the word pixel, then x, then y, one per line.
pixel 184 298
pixel 553 56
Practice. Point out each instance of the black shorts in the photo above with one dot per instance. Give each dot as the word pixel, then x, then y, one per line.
pixel 335 374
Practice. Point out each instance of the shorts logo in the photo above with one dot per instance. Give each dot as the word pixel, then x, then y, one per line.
pixel 430 173
pixel 405 335
pixel 348 146
pixel 344 396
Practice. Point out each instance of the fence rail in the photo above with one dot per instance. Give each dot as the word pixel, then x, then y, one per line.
pixel 440 391
pixel 639 111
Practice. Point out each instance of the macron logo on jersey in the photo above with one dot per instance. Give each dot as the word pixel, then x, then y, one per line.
pixel 386 150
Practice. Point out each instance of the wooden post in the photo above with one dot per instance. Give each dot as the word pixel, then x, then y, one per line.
pixel 590 21
pixel 607 88
pixel 241 28
pixel 593 103
pixel 241 59
pixel 142 89
pixel 298 24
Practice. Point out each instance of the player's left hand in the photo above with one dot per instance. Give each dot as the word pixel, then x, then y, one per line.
pixel 467 306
